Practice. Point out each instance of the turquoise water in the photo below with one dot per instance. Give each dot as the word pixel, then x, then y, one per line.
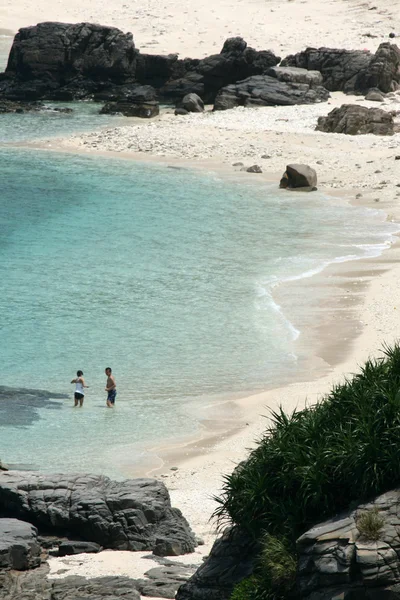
pixel 164 274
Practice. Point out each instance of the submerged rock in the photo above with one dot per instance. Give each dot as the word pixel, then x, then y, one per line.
pixel 145 110
pixel 352 119
pixel 134 514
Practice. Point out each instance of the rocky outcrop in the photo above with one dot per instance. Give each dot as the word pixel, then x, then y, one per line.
pixel 131 109
pixel 356 120
pixel 300 177
pixel 231 559
pixel 78 59
pixel 264 90
pixel 337 560
pixel 128 515
pixel 351 71
pixel 19 547
pixel 77 547
pixel 61 61
pixel 296 75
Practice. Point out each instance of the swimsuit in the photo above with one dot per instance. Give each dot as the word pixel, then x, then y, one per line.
pixel 111 396
pixel 79 391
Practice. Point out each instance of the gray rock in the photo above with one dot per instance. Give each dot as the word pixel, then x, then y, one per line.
pixel 264 90
pixel 352 119
pixel 296 75
pixel 77 547
pixel 163 582
pixel 298 176
pixel 19 548
pixel 351 71
pixel 231 559
pixel 254 169
pixel 192 103
pixel 374 96
pixel 134 514
pixel 181 111
pixel 131 109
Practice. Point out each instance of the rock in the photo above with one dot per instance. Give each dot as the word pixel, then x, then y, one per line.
pixel 335 561
pixel 135 514
pixel 352 119
pixel 192 103
pixel 164 581
pixel 131 109
pixel 3 467
pixel 231 559
pixel 299 177
pixel 127 93
pixel 296 75
pixel 264 90
pixel 351 71
pixel 374 96
pixel 71 547
pixel 392 35
pixel 254 169
pixel 50 56
pixel 19 548
pixel 181 111
pixel 207 76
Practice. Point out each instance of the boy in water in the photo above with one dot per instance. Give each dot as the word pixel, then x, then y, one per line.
pixel 111 388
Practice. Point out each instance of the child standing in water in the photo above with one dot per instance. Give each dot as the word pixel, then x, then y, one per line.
pixel 79 388
pixel 111 388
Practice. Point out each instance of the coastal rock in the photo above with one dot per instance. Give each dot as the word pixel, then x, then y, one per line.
pixel 181 112
pixel 337 560
pixel 131 109
pixel 296 75
pixel 73 547
pixel 133 92
pixel 264 90
pixel 299 177
pixel 374 96
pixel 134 514
pixel 351 71
pixel 164 581
pixel 231 559
pixel 352 119
pixel 254 169
pixel 3 467
pixel 192 103
pixel 207 76
pixel 49 56
pixel 19 547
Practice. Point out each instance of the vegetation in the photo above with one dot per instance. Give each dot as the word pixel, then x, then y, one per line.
pixel 313 463
pixel 369 524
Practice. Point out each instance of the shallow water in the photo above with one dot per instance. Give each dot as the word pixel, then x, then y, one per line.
pixel 165 275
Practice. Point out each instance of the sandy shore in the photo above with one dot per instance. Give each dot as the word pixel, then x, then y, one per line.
pixel 362 311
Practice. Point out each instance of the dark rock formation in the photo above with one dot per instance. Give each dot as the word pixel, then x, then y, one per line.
pixel 231 560
pixel 264 90
pixel 254 169
pixel 181 112
pixel 374 96
pixel 77 547
pixel 355 120
pixel 337 561
pixel 131 109
pixel 78 58
pixel 134 514
pixel 351 71
pixel 300 177
pixel 205 77
pixel 296 75
pixel 134 92
pixel 164 581
pixel 19 547
pixel 192 103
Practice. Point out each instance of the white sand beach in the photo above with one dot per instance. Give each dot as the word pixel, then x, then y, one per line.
pixel 364 310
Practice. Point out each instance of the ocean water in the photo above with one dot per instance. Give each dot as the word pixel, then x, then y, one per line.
pixel 164 274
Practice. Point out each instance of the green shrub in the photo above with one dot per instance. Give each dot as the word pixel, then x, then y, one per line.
pixel 369 524
pixel 245 590
pixel 313 463
pixel 277 563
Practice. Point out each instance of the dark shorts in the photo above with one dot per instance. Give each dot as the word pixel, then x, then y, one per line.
pixel 79 396
pixel 112 394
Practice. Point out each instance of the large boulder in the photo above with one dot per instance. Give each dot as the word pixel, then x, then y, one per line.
pixel 264 90
pixel 49 56
pixel 351 71
pixel 192 103
pixel 19 547
pixel 135 514
pixel 355 120
pixel 299 177
pixel 231 559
